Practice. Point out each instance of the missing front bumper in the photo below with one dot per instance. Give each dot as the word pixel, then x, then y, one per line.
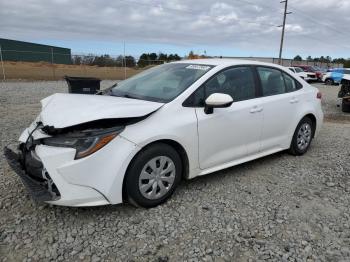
pixel 40 191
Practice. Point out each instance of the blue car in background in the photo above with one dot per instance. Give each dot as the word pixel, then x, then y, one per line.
pixel 334 76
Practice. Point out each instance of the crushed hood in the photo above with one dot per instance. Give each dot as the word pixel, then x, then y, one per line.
pixel 64 110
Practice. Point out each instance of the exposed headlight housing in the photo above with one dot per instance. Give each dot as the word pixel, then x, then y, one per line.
pixel 85 142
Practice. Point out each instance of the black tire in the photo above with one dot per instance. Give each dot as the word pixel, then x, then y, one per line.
pixel 294 148
pixel 329 82
pixel 345 106
pixel 133 174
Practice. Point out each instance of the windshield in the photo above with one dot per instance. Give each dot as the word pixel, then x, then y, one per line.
pixel 298 69
pixel 162 83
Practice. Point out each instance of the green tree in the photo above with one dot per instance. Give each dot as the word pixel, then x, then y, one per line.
pixel 130 61
pixel 119 61
pixel 177 57
pixel 298 58
pixel 152 56
pixel 143 60
pixel 163 57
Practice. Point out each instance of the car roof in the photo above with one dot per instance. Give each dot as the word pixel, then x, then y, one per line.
pixel 226 62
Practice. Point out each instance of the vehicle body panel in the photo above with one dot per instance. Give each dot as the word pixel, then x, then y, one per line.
pixel 64 110
pixel 237 124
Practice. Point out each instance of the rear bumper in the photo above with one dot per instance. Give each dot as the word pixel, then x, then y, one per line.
pixel 39 190
pixel 319 121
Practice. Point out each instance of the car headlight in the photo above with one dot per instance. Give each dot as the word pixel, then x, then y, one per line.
pixel 85 142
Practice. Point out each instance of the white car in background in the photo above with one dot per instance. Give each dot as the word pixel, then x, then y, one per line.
pixel 175 121
pixel 307 76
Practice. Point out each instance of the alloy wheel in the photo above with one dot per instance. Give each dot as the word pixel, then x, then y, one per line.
pixel 304 136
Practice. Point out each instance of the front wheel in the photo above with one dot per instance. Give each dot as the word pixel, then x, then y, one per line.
pixel 302 137
pixel 153 175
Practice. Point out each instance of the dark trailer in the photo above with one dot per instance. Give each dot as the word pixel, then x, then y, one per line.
pixel 19 51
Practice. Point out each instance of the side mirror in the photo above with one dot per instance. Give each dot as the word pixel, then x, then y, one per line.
pixel 217 100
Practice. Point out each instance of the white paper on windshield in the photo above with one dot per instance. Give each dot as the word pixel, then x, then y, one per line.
pixel 198 67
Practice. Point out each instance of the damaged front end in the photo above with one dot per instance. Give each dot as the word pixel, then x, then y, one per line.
pixel 84 139
pixel 64 156
pixel 28 166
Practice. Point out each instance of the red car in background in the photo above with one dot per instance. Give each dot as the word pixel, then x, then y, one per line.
pixel 308 68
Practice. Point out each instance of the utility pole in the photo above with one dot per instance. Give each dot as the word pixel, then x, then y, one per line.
pixel 2 66
pixel 124 62
pixel 283 28
pixel 52 65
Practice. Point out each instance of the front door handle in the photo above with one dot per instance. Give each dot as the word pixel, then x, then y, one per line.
pixel 256 109
pixel 294 100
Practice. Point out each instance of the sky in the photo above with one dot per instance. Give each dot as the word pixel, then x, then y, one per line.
pixel 216 28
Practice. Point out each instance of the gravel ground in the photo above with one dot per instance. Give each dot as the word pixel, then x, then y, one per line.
pixel 278 208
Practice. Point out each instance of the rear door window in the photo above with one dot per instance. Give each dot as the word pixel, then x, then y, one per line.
pixel 272 82
pixel 275 82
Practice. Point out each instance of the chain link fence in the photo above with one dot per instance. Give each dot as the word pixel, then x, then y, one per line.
pixel 34 65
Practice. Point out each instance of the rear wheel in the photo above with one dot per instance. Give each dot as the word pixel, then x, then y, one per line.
pixel 153 175
pixel 345 106
pixel 302 137
pixel 329 82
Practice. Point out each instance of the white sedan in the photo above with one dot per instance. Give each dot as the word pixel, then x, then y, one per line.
pixel 172 122
pixel 307 76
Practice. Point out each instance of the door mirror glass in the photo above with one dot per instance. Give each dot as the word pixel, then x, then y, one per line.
pixel 217 100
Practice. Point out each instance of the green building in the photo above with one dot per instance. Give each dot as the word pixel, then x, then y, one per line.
pixel 13 50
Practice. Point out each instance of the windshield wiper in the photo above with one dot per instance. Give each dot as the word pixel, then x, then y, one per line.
pixel 107 90
pixel 130 96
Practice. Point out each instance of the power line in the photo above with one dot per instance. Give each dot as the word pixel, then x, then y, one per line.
pixel 317 21
pixel 297 13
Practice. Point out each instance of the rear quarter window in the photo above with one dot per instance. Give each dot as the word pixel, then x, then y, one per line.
pixel 291 83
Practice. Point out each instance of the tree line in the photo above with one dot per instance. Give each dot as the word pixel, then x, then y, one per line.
pixel 147 59
pixel 325 59
pixel 119 61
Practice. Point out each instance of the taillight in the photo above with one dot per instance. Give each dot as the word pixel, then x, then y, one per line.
pixel 319 95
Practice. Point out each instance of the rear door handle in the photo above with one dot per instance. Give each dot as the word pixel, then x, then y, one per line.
pixel 294 100
pixel 256 109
